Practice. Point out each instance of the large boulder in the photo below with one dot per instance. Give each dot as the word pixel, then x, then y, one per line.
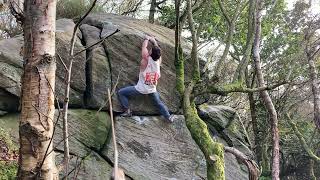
pixel 115 62
pixel 124 55
pixel 151 148
pixel 11 64
pixel 64 31
pixel 10 73
pixel 88 133
pixel 98 71
pixel 225 123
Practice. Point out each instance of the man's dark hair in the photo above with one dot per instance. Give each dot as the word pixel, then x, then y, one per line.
pixel 155 53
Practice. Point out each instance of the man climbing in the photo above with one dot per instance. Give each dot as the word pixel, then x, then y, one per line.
pixel 148 79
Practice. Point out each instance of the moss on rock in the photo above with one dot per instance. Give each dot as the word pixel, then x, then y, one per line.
pixel 213 151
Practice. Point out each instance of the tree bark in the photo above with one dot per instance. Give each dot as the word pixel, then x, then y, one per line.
pixel 253 110
pixel 312 175
pixel 37 97
pixel 231 27
pixel 252 167
pixel 314 84
pixel 179 61
pixel 213 151
pixel 241 69
pixel 153 6
pixel 265 95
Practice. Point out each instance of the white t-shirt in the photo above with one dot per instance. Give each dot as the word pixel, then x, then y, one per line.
pixel 148 79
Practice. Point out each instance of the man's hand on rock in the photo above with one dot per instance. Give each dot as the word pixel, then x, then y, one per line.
pixel 153 41
pixel 147 37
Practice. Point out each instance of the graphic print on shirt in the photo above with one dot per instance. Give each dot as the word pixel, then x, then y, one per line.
pixel 151 78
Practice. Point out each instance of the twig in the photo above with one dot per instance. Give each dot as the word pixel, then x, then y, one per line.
pixel 112 92
pixel 77 166
pixel 64 65
pixel 134 9
pixel 77 25
pixel 96 43
pixel 67 91
pixel 16 13
pixel 113 135
pixel 58 143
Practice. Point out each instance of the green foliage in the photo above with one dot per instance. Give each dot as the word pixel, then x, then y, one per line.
pixel 8 168
pixel 5 137
pixel 167 15
pixel 75 8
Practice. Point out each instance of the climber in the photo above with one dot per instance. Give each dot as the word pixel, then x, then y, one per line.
pixel 148 79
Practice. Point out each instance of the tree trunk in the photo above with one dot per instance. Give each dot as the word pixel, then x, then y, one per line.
pixel 213 151
pixel 312 175
pixel 265 95
pixel 241 69
pixel 153 5
pixel 315 86
pixel 231 27
pixel 37 97
pixel 179 61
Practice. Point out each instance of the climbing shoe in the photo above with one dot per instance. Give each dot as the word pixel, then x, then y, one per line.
pixel 171 118
pixel 126 113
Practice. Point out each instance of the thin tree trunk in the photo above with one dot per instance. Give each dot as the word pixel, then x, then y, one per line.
pixel 241 69
pixel 265 96
pixel 315 86
pixel 153 5
pixel 66 157
pixel 213 151
pixel 231 27
pixel 37 97
pixel 312 175
pixel 194 56
pixel 254 121
pixel 179 61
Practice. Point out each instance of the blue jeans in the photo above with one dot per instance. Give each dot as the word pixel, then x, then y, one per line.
pixel 125 92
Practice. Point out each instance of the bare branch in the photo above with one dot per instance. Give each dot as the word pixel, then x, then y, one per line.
pixel 302 140
pixel 224 90
pixel 230 33
pixel 160 2
pixel 134 9
pixel 78 24
pixel 112 92
pixel 118 173
pixel 97 43
pixel 18 14
pixel 252 166
pixel 224 12
pixel 62 62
